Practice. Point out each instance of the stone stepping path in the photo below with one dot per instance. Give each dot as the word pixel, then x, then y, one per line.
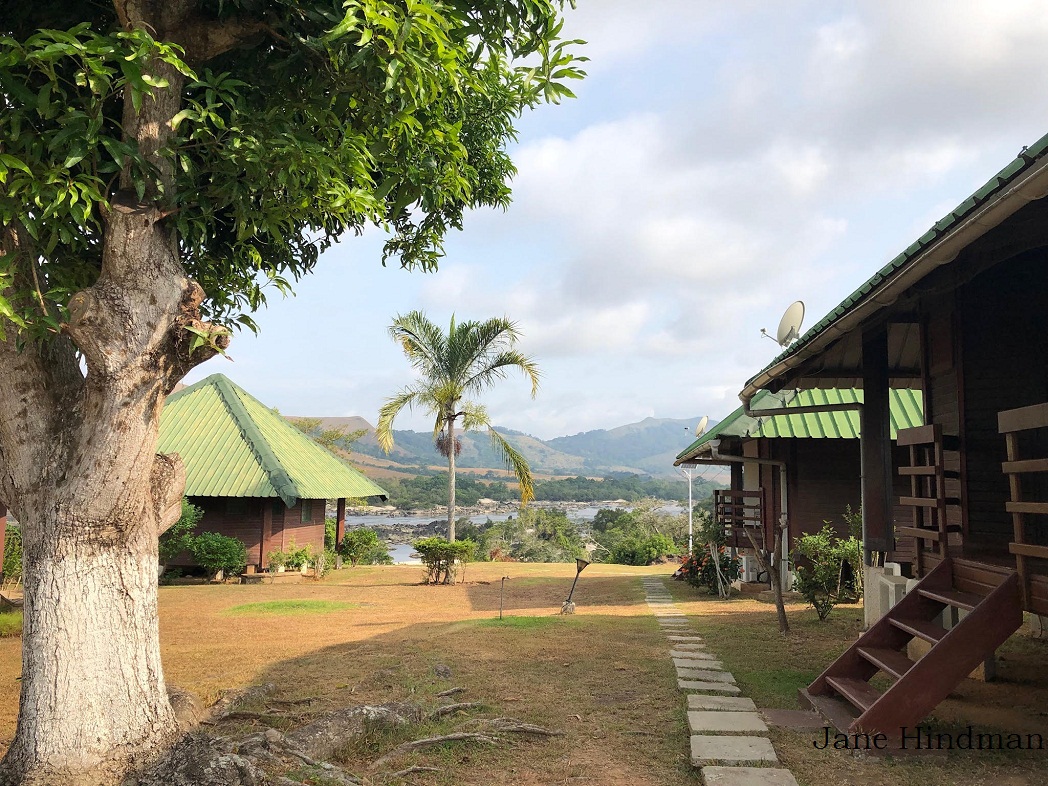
pixel 725 727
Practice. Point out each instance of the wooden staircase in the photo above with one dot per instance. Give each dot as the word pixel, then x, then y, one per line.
pixel 842 693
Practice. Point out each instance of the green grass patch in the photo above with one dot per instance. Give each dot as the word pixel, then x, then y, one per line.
pixel 11 623
pixel 291 607
pixel 529 623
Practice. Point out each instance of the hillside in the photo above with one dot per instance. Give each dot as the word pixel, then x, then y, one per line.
pixel 644 448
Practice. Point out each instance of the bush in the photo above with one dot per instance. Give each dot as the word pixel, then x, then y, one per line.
pixel 13 555
pixel 362 546
pixel 700 568
pixel 215 552
pixel 440 557
pixel 297 558
pixel 639 550
pixel 179 537
pixel 826 567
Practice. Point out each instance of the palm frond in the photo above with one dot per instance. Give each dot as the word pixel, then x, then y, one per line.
pixel 423 342
pixel 515 461
pixel 408 397
pixel 497 367
pixel 474 416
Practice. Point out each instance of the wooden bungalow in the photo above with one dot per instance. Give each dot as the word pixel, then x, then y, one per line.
pixel 958 314
pixel 804 465
pixel 256 476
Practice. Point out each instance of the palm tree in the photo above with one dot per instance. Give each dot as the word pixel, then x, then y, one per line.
pixel 452 368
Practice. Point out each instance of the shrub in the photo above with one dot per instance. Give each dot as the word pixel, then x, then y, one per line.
pixel 639 550
pixel 179 537
pixel 440 557
pixel 215 552
pixel 296 558
pixel 362 546
pixel 700 569
pixel 276 559
pixel 826 568
pixel 13 555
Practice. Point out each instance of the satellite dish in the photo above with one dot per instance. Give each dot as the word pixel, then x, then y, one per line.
pixel 700 427
pixel 790 324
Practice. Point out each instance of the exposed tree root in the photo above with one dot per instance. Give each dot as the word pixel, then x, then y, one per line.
pixel 407 747
pixel 450 692
pixel 451 709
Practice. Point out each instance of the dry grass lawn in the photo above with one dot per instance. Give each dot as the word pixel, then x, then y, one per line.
pixel 604 677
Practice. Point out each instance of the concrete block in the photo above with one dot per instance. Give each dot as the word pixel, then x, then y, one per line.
pixel 698 701
pixel 711 687
pixel 698 663
pixel 892 589
pixel 747 776
pixel 706 675
pixel 706 749
pixel 725 721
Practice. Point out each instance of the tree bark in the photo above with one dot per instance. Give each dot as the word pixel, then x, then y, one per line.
pixel 451 479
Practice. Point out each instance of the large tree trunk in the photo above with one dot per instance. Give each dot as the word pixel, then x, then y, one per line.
pixel 451 479
pixel 93 698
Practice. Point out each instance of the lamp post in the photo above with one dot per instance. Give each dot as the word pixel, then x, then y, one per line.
pixel 568 607
pixel 691 508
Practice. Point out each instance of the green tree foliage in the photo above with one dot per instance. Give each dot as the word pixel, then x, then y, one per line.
pixel 429 491
pixel 362 546
pixel 12 562
pixel 452 368
pixel 826 567
pixel 443 557
pixel 627 487
pixel 321 120
pixel 536 535
pixel 179 537
pixel 638 536
pixel 215 552
pixel 335 439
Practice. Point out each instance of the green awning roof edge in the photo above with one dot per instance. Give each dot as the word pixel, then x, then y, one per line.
pixel 1026 161
pixel 907 410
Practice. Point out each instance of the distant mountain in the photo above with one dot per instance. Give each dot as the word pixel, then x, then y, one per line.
pixel 644 448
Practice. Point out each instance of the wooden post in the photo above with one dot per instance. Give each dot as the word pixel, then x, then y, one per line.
pixel 267 532
pixel 876 446
pixel 3 536
pixel 340 521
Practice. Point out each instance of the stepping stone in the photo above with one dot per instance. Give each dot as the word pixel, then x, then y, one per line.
pixel 747 776
pixel 692 663
pixel 730 750
pixel 686 639
pixel 706 675
pixel 698 701
pixel 722 721
pixel 681 620
pixel 712 687
pixel 691 655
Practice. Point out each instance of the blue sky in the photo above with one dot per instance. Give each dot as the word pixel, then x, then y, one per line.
pixel 721 161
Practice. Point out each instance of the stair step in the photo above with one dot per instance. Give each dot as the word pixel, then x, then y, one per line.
pixel 856 691
pixel 922 629
pixel 962 600
pixel 891 662
pixel 834 709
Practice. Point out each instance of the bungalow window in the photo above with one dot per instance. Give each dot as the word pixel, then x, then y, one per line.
pixel 307 511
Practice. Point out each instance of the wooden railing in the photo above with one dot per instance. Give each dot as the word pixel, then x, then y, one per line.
pixel 737 512
pixel 1011 423
pixel 928 498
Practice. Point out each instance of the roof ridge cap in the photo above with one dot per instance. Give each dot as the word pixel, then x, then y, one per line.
pixel 278 476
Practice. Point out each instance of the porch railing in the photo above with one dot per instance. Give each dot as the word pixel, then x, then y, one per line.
pixel 738 512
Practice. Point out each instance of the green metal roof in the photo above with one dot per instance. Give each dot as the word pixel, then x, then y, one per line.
pixel 994 186
pixel 235 446
pixel 907 411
